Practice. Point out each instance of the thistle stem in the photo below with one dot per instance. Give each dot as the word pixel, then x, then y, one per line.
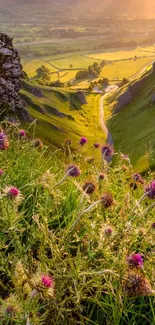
pixel 83 212
pixel 149 208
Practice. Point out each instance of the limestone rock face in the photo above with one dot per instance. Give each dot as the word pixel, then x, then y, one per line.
pixel 10 74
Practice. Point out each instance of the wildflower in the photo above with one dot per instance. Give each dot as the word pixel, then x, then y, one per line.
pixel 68 142
pixel 22 133
pixel 83 141
pixel 96 145
pixel 135 285
pixel 37 143
pixel 73 171
pixel 1 172
pixel 150 190
pixel 4 143
pixel 153 225
pixel 12 193
pixel 89 187
pixel 108 231
pixel 135 260
pixel 47 281
pixel 107 200
pixel 101 177
pixel 107 151
pixel 138 178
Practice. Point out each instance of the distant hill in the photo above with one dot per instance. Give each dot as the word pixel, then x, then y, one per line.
pixel 108 7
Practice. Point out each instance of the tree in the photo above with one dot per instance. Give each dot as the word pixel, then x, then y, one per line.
pixel 44 73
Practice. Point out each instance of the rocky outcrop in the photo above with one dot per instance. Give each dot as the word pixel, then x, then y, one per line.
pixel 56 112
pixel 10 73
pixel 81 97
pixel 31 89
pixel 131 92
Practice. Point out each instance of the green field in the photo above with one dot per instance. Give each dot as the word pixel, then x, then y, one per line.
pixel 78 61
pixel 125 69
pixel 31 65
pixel 68 64
pixel 115 54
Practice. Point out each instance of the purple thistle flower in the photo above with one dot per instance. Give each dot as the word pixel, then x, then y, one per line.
pixel 135 285
pixel 22 133
pixel 73 171
pixel 151 190
pixel 138 178
pixel 107 151
pixel 96 145
pixel 107 200
pixel 108 231
pixel 89 187
pixel 47 281
pixel 4 143
pixel 1 172
pixel 83 141
pixel 135 260
pixel 13 192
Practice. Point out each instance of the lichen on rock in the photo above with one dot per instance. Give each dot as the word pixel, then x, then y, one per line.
pixel 10 74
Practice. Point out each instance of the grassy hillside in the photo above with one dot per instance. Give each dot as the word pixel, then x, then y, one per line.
pixel 80 120
pixel 69 257
pixel 133 127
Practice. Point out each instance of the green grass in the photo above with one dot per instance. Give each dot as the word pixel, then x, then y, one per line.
pixel 39 236
pixel 133 127
pixel 86 117
pixel 125 69
pixel 78 61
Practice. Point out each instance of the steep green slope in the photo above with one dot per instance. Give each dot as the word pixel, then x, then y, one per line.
pixel 61 115
pixel 133 128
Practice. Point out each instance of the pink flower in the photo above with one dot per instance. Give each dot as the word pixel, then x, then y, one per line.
pixel 47 281
pixel 22 133
pixel 135 259
pixel 1 172
pixel 108 231
pixel 83 141
pixel 13 192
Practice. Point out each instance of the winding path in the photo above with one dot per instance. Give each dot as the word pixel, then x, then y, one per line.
pixel 108 90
